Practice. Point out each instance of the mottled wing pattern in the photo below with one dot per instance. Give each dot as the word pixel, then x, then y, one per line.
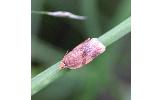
pixel 83 53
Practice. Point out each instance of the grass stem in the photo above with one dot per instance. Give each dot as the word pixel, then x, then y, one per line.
pixel 116 33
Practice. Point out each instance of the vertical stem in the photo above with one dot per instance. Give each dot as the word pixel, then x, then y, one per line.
pixel 90 9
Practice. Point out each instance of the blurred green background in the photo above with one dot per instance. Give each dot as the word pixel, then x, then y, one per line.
pixel 108 77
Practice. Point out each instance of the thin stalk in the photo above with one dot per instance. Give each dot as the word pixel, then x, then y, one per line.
pixel 116 33
pixel 90 9
pixel 49 75
pixel 46 77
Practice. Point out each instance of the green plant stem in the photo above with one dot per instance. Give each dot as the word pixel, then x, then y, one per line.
pixel 44 78
pixel 116 33
pixel 49 75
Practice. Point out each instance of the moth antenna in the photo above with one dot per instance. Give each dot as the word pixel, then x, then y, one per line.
pixel 87 39
pixel 66 52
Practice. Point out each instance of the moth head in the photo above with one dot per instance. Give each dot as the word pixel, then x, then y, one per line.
pixel 62 65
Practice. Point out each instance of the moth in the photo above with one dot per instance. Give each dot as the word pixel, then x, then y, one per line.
pixel 82 54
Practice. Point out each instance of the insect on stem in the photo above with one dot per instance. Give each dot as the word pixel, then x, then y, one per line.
pixel 82 54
